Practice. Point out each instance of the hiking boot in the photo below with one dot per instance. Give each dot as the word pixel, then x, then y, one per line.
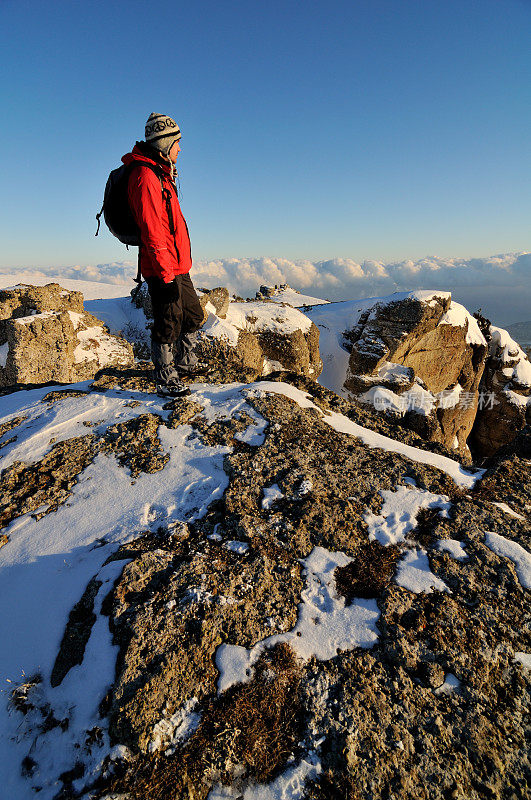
pixel 175 389
pixel 198 369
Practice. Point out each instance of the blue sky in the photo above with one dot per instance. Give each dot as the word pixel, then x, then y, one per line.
pixel 377 129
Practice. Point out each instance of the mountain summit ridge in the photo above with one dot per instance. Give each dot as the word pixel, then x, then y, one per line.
pixel 264 590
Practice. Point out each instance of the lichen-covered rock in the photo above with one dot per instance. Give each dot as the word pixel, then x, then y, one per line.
pixel 45 335
pixel 506 388
pixel 434 706
pixel 24 300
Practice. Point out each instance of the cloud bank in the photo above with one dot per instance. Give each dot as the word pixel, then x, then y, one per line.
pixel 500 284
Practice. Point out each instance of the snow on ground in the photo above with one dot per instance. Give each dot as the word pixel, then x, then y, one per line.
pixel 524 659
pixel 414 573
pixel 514 552
pixel 454 547
pixel 177 728
pixel 271 494
pixel 451 684
pixel 342 424
pixel 295 298
pixel 97 345
pixel 47 563
pixel 221 329
pixel 240 548
pixel 55 750
pixel 259 316
pixel 288 786
pixel 4 351
pixel 507 510
pixel 399 513
pixel 416 399
pixel 325 624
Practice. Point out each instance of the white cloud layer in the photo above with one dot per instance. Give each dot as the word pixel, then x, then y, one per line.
pixel 500 284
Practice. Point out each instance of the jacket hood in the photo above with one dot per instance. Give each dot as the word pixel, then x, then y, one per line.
pixel 144 154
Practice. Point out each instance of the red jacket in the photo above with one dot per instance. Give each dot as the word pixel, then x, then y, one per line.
pixel 162 255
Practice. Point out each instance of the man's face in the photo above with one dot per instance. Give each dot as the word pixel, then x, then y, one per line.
pixel 175 149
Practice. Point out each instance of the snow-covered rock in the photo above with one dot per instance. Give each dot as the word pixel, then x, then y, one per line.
pixel 46 335
pixel 506 389
pixel 417 355
pixel 165 632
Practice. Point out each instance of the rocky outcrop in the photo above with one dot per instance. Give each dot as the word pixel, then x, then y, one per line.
pixel 505 406
pixel 419 357
pixel 46 335
pixel 215 301
pixel 263 337
pixel 245 340
pixel 337 619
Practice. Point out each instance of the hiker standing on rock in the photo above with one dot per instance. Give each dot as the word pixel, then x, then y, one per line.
pixel 165 256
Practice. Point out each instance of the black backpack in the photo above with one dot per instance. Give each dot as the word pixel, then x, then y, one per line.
pixel 117 212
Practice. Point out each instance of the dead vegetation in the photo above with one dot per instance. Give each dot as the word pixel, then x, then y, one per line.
pixel 330 786
pixel 368 574
pixel 424 530
pixel 251 731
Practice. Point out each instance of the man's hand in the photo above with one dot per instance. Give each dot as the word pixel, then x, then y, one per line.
pixel 171 289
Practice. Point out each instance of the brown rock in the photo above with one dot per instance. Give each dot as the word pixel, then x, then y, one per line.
pixel 505 408
pixel 60 342
pixel 407 332
pixel 24 300
pixel 219 298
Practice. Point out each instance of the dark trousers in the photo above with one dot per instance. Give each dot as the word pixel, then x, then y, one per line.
pixel 176 309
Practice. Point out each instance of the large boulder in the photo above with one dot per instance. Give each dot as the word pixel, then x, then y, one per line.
pixel 420 357
pixel 265 337
pixel 505 406
pixel 46 335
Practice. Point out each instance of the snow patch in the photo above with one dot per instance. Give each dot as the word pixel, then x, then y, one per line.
pixel 173 730
pixel 4 351
pixel 524 659
pixel 504 347
pixel 325 624
pixel 514 552
pixel 507 510
pixel 236 547
pixel 458 316
pixel 258 317
pixel 221 329
pixel 451 684
pixel 271 495
pixel 399 513
pixel 454 548
pixel 97 345
pixel 288 786
pixel 414 573
pixel 343 424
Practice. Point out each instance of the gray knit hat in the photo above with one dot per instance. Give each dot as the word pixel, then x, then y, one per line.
pixel 162 132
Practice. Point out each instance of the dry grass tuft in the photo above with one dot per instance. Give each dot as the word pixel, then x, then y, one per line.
pixel 252 728
pixel 424 530
pixel 369 573
pixel 332 787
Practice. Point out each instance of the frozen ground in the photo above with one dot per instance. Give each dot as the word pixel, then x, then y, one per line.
pixel 48 561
